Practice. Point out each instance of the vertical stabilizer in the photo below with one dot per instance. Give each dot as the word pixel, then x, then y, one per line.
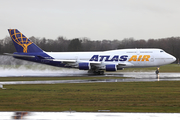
pixel 22 43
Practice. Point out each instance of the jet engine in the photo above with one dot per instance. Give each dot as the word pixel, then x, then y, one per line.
pixel 84 66
pixel 111 67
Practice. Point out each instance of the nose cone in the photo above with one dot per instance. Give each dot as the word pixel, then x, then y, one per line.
pixel 174 59
pixel 171 59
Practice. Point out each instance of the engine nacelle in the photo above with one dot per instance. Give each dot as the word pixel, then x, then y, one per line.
pixel 111 67
pixel 84 66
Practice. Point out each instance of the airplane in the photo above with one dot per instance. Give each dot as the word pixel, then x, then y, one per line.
pixel 95 62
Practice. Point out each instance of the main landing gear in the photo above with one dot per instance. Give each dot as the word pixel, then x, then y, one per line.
pixel 100 72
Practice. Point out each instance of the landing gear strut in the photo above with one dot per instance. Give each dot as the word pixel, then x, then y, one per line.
pixel 157 71
pixel 100 72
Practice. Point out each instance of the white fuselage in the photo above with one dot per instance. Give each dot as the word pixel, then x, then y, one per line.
pixel 124 57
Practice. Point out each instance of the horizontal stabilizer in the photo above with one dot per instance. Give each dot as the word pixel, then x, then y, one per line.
pixel 17 55
pixel 41 57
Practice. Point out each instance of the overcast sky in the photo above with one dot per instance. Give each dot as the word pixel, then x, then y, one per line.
pixel 94 19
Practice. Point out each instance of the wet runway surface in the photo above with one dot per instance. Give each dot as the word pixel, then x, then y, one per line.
pixel 133 77
pixel 148 76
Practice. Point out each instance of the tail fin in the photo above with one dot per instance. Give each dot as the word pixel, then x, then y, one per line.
pixel 22 43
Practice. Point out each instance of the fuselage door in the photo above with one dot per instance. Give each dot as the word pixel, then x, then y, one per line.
pixel 152 59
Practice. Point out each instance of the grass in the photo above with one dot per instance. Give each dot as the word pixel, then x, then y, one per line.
pixel 157 96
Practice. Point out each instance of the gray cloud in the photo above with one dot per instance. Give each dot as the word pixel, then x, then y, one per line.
pixel 95 19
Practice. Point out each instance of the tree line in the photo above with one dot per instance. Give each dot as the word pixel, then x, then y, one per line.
pixel 61 44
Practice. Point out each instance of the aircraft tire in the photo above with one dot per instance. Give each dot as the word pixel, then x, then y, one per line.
pixel 100 72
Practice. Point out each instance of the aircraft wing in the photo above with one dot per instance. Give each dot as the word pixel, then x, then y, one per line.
pixel 22 56
pixel 63 61
pixel 75 61
pixel 125 64
pixel 70 62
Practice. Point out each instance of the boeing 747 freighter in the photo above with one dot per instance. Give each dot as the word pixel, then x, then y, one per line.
pixel 95 62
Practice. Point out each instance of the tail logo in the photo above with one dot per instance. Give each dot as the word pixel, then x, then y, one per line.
pixel 20 39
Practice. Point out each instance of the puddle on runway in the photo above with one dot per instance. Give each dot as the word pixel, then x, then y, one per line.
pixel 134 76
pixel 148 75
pixel 162 77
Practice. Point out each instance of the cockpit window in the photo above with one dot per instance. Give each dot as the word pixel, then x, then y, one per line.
pixel 161 51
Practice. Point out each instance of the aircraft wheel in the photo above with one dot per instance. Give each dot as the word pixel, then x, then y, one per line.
pixel 100 72
pixel 96 72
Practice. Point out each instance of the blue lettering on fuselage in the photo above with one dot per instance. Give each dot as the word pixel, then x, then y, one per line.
pixel 102 57
pixel 123 58
pixel 107 58
pixel 94 58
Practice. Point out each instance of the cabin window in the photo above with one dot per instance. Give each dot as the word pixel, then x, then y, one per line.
pixel 146 51
pixel 131 52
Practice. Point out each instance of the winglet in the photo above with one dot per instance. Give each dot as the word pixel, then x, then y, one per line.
pixel 22 43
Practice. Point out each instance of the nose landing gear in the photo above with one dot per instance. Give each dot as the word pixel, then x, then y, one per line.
pixel 157 71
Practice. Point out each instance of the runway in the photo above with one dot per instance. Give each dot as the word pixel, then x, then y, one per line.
pixel 133 77
pixel 37 70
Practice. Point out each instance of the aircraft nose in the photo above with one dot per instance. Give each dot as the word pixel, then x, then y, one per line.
pixel 174 59
pixel 171 59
